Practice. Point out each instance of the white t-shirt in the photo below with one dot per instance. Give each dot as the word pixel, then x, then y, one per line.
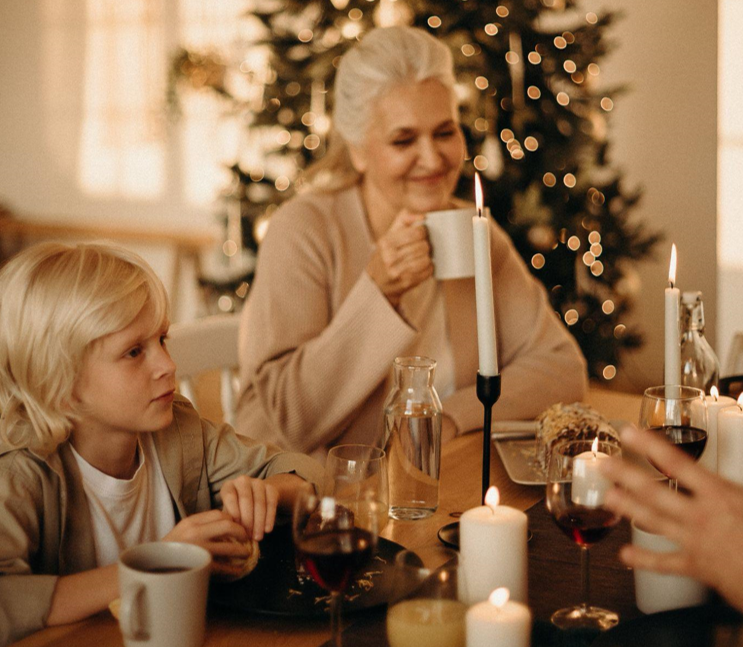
pixel 123 512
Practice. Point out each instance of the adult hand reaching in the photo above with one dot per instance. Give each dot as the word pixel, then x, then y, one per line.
pixel 402 258
pixel 705 520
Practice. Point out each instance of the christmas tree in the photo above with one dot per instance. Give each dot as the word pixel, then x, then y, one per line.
pixel 534 116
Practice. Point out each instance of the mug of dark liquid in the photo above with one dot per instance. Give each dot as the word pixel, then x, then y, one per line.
pixel 163 587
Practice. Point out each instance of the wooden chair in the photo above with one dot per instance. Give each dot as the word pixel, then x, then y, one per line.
pixel 203 345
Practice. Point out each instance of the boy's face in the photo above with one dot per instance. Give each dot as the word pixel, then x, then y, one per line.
pixel 127 381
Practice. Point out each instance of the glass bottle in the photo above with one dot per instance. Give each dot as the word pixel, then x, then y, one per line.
pixel 699 364
pixel 412 414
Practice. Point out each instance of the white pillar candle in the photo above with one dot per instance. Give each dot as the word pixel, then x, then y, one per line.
pixel 673 335
pixel 589 486
pixel 715 404
pixel 730 442
pixel 486 342
pixel 498 622
pixel 492 541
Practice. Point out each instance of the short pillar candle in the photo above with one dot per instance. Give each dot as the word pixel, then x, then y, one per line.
pixel 730 442
pixel 492 540
pixel 498 622
pixel 715 404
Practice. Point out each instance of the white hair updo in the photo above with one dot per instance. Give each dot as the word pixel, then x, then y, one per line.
pixel 385 57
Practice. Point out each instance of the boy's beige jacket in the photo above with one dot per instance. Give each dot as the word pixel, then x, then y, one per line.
pixel 45 526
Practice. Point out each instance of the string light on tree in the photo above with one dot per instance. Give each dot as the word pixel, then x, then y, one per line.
pixel 535 120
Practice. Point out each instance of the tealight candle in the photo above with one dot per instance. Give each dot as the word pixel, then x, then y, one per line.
pixel 715 404
pixel 498 622
pixel 486 344
pixel 492 540
pixel 673 334
pixel 730 442
pixel 589 486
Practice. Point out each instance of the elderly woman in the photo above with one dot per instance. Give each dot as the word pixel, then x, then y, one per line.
pixel 344 280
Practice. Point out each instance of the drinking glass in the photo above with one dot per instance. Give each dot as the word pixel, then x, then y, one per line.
pixel 679 414
pixel 358 474
pixel 426 609
pixel 575 497
pixel 331 546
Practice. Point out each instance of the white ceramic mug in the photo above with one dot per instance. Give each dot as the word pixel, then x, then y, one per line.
pixel 163 587
pixel 452 245
pixel 656 592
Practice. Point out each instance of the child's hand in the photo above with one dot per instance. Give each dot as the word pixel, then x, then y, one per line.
pixel 251 503
pixel 210 530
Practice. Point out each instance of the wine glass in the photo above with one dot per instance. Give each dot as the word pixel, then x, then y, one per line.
pixel 331 546
pixel 679 414
pixel 358 474
pixel 575 497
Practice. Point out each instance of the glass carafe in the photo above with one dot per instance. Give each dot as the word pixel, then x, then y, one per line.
pixel 700 367
pixel 413 439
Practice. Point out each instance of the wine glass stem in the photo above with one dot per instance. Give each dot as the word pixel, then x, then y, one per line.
pixel 335 617
pixel 584 573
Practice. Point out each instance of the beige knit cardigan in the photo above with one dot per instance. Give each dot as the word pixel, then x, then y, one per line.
pixel 318 337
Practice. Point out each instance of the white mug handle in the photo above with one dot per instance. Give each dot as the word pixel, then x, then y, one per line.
pixel 130 614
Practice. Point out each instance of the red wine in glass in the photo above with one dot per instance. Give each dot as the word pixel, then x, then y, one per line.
pixel 690 440
pixel 332 557
pixel 586 526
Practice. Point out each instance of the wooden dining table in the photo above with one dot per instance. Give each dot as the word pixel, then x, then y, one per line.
pixel 554 578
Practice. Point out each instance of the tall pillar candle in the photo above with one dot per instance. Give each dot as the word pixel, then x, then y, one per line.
pixel 672 332
pixel 492 542
pixel 730 442
pixel 498 622
pixel 715 404
pixel 486 342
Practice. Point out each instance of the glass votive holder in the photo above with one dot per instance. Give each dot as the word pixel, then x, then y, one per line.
pixel 425 608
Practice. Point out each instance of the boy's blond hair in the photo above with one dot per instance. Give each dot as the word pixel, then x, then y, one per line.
pixel 55 301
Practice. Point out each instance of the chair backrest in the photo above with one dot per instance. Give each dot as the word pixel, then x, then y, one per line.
pixel 207 344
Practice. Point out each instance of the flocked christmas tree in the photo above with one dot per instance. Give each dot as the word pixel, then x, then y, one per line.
pixel 534 113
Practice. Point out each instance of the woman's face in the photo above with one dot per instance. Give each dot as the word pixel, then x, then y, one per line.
pixel 413 150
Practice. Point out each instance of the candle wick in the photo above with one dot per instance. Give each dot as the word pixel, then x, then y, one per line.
pixel 670 284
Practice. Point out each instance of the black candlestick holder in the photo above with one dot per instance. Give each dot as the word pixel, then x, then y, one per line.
pixel 488 392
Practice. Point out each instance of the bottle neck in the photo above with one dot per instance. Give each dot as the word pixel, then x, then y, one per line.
pixel 413 373
pixel 693 317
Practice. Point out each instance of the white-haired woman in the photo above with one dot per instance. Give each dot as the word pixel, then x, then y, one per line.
pixel 344 280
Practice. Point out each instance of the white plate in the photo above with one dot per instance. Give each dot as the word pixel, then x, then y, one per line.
pixel 519 459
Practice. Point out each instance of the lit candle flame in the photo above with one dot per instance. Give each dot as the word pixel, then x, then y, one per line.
pixel 499 597
pixel 478 194
pixel 672 267
pixel 492 498
pixel 595 446
pixel 714 393
pixel 740 401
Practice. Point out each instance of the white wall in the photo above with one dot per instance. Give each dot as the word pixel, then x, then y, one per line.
pixel 42 103
pixel 663 130
pixel 730 219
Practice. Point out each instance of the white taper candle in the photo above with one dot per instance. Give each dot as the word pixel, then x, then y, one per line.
pixel 486 341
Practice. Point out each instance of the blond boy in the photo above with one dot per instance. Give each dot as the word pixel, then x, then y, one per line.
pixel 97 452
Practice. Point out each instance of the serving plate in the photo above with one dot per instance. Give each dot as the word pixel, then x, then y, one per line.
pixel 276 587
pixel 519 459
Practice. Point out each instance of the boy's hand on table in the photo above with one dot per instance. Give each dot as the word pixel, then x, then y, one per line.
pixel 251 503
